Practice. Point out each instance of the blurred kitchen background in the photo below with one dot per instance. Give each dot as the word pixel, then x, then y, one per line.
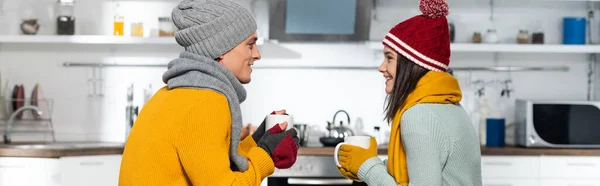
pixel 95 61
pixel 89 102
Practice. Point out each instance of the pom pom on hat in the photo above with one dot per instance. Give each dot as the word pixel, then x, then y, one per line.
pixel 424 39
pixel 434 8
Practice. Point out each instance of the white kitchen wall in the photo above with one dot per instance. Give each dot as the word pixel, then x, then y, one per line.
pixel 312 96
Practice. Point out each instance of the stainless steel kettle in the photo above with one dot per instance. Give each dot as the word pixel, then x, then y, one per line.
pixel 340 131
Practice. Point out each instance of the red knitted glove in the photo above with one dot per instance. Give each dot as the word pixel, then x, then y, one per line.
pixel 282 146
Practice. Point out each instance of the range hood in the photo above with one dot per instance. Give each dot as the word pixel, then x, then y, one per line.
pixel 319 20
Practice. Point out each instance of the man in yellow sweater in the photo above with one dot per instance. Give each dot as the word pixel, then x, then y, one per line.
pixel 189 132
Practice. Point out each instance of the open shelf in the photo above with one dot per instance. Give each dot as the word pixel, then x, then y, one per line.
pixel 529 48
pixel 85 39
pixel 514 48
pixel 455 47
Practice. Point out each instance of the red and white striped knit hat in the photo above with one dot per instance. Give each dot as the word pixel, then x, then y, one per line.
pixel 424 39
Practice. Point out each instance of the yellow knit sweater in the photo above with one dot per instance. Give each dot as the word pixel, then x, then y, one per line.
pixel 182 137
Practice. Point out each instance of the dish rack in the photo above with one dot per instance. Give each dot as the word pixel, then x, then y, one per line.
pixel 28 122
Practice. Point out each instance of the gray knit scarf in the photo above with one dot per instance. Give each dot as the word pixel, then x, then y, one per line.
pixel 195 71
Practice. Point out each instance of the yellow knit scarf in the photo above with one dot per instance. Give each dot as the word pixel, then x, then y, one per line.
pixel 434 87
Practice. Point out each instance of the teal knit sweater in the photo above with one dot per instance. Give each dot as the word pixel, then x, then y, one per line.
pixel 441 148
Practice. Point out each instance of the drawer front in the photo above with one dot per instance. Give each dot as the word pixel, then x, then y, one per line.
pixel 510 167
pixel 90 170
pixel 570 167
pixel 569 182
pixel 510 182
pixel 29 171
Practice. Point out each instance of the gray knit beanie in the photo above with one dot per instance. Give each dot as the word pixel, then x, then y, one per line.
pixel 212 27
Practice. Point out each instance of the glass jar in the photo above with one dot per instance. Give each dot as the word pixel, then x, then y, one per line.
pixel 537 38
pixel 491 36
pixel 137 29
pixel 65 22
pixel 477 38
pixel 118 22
pixel 166 27
pixel 523 37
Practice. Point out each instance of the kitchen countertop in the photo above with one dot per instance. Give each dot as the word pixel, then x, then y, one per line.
pixel 485 151
pixel 520 151
pixel 57 150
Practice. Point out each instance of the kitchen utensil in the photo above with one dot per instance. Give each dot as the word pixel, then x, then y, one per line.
pixel 37 99
pixel 131 111
pixel 338 131
pixel 302 133
pixel 13 97
pixel 361 141
pixel 147 93
pixel 336 134
pixel 34 100
pixel 330 142
pixel 20 100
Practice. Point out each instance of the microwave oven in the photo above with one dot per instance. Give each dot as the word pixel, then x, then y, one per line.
pixel 557 124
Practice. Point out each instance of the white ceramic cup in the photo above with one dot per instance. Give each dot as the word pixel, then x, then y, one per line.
pixel 273 120
pixel 361 141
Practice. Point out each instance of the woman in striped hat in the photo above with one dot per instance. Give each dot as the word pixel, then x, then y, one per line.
pixel 432 140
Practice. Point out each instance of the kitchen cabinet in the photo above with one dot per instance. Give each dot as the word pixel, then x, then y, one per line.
pixel 540 170
pixel 510 170
pixel 29 171
pixel 510 167
pixel 570 167
pixel 90 170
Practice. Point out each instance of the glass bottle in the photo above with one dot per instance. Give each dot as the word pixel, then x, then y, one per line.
pixel 118 23
pixel 65 22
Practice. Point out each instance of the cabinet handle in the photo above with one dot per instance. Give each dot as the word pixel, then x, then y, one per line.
pixel 498 163
pixel 582 164
pixel 93 163
pixel 303 181
pixel 497 184
pixel 579 185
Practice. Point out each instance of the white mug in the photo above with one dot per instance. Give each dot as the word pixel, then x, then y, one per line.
pixel 361 141
pixel 273 120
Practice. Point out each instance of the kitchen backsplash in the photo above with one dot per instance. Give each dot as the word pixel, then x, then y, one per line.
pixel 312 96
